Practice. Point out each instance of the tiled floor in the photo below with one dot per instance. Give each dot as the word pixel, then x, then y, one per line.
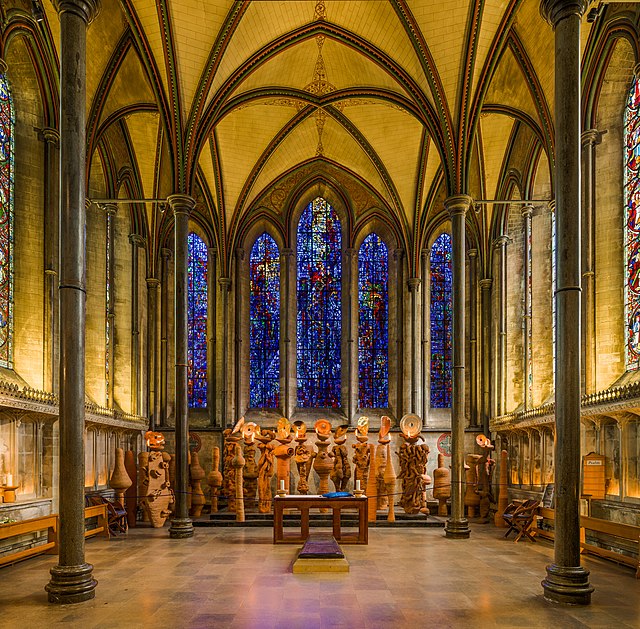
pixel 226 577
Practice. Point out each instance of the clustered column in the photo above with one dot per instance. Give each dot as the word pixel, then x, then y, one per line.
pixel 457 526
pixel 566 580
pixel 182 205
pixel 424 353
pixel 288 349
pixel 72 578
pixel 165 255
pixel 137 242
pixel 351 326
pixel 225 287
pixel 500 245
pixel 485 314
pixel 473 338
pixel 152 354
pixel 413 284
pixel 526 314
pixel 211 335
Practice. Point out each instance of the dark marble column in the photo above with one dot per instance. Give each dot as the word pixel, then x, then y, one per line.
pixel 500 245
pixel 72 578
pixel 590 139
pixel 425 362
pixel 473 338
pixel 165 255
pixel 51 139
pixel 225 287
pixel 212 336
pixel 567 581
pixel 287 348
pixel 526 314
pixel 413 285
pixel 241 403
pixel 111 210
pixel 182 205
pixel 485 357
pixel 137 242
pixel 457 526
pixel 398 256
pixel 153 380
pixel 351 308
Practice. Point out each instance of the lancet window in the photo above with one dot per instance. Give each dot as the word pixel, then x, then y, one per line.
pixel 441 322
pixel 6 223
pixel 197 322
pixel 264 324
pixel 319 316
pixel 373 328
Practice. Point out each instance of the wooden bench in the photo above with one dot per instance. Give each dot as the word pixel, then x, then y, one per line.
pixel 48 523
pixel 615 529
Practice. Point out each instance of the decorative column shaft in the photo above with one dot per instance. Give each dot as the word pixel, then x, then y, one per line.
pixel 500 245
pixel 110 213
pixel 590 139
pixel 350 297
pixel 153 384
pixel 225 287
pixel 424 354
pixel 413 285
pixel 72 579
pixel 182 205
pixel 566 580
pixel 526 310
pixel 398 256
pixel 288 359
pixel 165 254
pixel 240 316
pixel 211 335
pixel 473 338
pixel 51 139
pixel 137 242
pixel 457 526
pixel 485 358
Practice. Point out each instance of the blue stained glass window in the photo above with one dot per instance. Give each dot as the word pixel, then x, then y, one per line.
pixel 197 322
pixel 373 329
pixel 6 223
pixel 319 306
pixel 632 225
pixel 441 322
pixel 264 324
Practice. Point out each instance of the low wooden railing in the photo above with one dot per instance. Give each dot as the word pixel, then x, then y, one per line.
pixel 48 523
pixel 624 531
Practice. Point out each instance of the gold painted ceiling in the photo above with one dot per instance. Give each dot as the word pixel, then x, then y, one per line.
pixel 398 103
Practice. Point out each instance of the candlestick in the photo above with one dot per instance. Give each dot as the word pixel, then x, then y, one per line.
pixel 282 485
pixel 358 485
pixel 9 481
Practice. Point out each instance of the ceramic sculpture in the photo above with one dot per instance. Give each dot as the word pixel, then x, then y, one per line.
pixel 323 461
pixel 390 485
pixel 120 480
pixel 231 439
pixel 131 495
pixel 157 494
pixel 442 485
pixel 503 498
pixel 250 470
pixel 413 457
pixel 361 456
pixel 196 473
pixel 341 472
pixel 485 468
pixel 381 461
pixel 303 456
pixel 237 463
pixel 143 462
pixel 471 496
pixel 214 480
pixel 265 468
pixel 372 486
pixel 283 453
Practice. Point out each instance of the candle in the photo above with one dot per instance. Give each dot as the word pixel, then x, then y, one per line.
pixel 9 480
pixel 358 485
pixel 282 485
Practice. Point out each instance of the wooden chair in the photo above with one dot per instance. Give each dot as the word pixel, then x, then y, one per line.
pixel 520 519
pixel 117 514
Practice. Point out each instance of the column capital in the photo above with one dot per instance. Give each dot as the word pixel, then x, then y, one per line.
pixel 111 209
pixel 555 10
pixel 501 241
pixel 287 251
pixel 50 135
pixel 165 253
pixel 413 283
pixel 350 252
pixel 472 253
pixel 181 203
pixel 3 66
pixel 86 9
pixel 398 254
pixel 239 253
pixel 153 282
pixel 225 283
pixel 591 137
pixel 527 211
pixel 137 240
pixel 552 205
pixel 212 251
pixel 486 283
pixel 458 204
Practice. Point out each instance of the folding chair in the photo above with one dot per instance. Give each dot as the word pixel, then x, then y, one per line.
pixel 520 519
pixel 116 514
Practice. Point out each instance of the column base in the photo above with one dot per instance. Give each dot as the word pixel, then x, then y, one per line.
pixel 457 529
pixel 567 585
pixel 181 528
pixel 71 584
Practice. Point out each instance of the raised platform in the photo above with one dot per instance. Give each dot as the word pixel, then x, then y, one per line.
pixel 321 553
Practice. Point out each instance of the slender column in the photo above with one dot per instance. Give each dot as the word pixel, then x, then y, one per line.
pixel 457 526
pixel 110 358
pixel 72 579
pixel 287 360
pixel 351 326
pixel 566 580
pixel 485 358
pixel 590 139
pixel 211 335
pixel 398 255
pixel 413 285
pixel 165 254
pixel 500 245
pixel 526 314
pixel 239 318
pixel 51 139
pixel 424 354
pixel 182 205
pixel 153 398
pixel 473 338
pixel 136 241
pixel 225 287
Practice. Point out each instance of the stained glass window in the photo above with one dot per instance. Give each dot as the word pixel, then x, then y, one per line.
pixel 264 324
pixel 319 306
pixel 197 322
pixel 632 225
pixel 441 322
pixel 6 223
pixel 373 328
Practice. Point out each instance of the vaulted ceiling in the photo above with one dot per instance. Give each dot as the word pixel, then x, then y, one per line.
pixel 396 103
